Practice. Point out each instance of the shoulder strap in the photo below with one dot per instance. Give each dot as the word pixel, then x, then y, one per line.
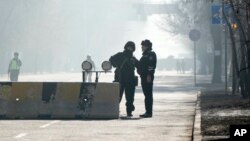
pixel 124 61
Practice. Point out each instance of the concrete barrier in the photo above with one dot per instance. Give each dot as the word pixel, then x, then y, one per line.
pixel 59 100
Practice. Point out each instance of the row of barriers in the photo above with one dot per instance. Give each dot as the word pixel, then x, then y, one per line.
pixel 59 100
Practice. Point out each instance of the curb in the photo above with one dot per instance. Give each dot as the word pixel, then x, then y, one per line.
pixel 196 135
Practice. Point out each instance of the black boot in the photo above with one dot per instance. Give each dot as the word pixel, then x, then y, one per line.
pixel 146 115
pixel 129 114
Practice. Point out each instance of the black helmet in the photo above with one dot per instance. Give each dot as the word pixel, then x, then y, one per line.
pixel 130 44
pixel 147 43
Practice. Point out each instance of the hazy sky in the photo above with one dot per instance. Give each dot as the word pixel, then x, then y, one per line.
pixel 60 33
pixel 164 43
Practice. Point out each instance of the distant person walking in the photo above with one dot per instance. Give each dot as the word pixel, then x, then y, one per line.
pixel 183 65
pixel 125 64
pixel 146 69
pixel 178 66
pixel 88 75
pixel 14 67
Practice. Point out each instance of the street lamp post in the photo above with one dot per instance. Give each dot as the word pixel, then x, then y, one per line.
pixel 194 63
pixel 225 60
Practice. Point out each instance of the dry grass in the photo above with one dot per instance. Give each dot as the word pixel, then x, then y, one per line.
pixel 214 102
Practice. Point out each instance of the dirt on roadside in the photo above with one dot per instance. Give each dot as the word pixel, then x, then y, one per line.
pixel 219 111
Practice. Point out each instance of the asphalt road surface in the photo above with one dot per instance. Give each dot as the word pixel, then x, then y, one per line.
pixel 174 108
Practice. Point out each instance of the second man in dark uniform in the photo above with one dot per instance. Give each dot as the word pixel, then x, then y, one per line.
pixel 146 69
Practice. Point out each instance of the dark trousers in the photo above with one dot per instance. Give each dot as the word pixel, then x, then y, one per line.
pixel 14 75
pixel 129 95
pixel 147 89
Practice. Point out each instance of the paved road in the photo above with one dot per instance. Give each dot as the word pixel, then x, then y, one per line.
pixel 174 108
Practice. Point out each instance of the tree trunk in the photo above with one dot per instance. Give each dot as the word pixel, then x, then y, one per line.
pixel 244 50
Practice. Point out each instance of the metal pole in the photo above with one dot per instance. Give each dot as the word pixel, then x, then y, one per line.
pixel 225 27
pixel 96 77
pixel 194 63
pixel 225 60
pixel 83 76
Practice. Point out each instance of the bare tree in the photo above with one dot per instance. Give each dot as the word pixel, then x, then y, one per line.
pixel 240 28
pixel 189 15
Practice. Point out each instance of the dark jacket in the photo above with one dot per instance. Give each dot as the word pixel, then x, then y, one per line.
pixel 125 64
pixel 147 63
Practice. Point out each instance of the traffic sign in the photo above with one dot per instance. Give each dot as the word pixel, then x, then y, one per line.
pixel 194 35
pixel 217 15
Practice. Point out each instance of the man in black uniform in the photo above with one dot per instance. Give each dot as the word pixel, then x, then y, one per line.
pixel 125 64
pixel 146 69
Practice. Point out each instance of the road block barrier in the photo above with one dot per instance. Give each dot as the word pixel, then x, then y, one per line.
pixel 59 100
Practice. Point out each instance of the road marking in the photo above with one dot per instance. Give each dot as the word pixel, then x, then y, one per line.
pixel 48 124
pixel 20 135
